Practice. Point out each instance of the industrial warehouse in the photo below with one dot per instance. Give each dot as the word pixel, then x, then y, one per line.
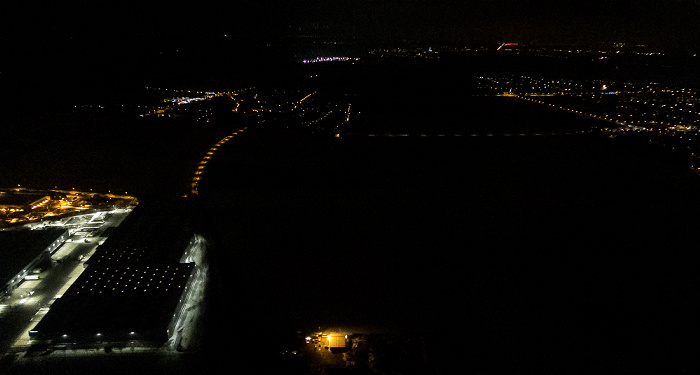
pixel 141 288
pixel 116 304
pixel 25 252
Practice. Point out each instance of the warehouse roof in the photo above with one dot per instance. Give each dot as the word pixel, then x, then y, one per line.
pixel 19 247
pixel 150 234
pixel 117 303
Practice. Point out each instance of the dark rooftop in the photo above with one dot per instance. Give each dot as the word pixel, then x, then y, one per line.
pixel 10 198
pixel 132 283
pixel 150 234
pixel 19 247
pixel 115 301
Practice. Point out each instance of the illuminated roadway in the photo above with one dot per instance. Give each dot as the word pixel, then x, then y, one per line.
pixel 201 166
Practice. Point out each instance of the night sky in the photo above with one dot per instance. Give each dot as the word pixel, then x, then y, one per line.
pixel 661 23
pixel 55 47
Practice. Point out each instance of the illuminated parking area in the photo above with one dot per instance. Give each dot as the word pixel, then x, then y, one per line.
pixel 30 207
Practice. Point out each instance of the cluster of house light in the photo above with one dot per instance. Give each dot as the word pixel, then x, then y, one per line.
pixel 327 59
pixel 641 104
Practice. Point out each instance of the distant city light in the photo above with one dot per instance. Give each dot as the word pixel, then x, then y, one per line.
pixel 327 59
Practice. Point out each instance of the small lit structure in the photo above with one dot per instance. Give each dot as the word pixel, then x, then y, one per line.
pixel 337 342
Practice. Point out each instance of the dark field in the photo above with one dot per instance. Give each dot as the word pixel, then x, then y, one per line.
pixel 539 253
pixel 104 150
pixel 436 113
pixel 536 253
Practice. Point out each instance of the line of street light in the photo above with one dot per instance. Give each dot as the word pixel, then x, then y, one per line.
pixel 201 166
pixel 602 118
pixel 391 135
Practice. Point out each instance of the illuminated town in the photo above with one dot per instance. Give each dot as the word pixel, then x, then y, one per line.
pixel 643 105
pixel 20 206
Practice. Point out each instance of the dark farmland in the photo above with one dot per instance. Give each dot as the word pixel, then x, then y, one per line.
pixel 565 252
pixel 106 150
pixel 463 115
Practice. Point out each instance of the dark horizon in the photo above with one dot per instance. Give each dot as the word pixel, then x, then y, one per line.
pixel 88 49
pixel 660 25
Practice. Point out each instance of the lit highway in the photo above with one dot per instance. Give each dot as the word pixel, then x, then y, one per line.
pixel 201 166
